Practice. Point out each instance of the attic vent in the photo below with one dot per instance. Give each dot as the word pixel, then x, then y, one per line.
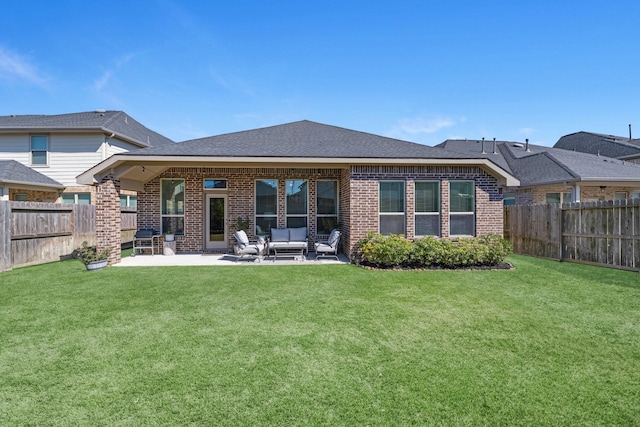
pixel 518 145
pixel 101 111
pixel 126 120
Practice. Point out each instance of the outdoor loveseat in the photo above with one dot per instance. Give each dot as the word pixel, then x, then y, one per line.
pixel 289 240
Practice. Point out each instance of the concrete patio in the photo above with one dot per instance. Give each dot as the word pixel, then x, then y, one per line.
pixel 159 260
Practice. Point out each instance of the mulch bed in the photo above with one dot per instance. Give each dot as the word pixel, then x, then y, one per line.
pixel 500 266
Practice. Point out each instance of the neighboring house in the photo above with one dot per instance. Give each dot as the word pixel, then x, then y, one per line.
pixel 554 175
pixel 618 147
pixel 65 145
pixel 18 182
pixel 300 174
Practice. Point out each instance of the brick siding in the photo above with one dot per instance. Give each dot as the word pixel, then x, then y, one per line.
pixel 108 220
pixel 358 198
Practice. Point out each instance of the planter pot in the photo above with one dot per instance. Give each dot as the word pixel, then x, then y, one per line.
pixel 97 265
pixel 168 237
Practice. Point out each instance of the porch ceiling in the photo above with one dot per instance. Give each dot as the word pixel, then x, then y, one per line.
pixel 134 171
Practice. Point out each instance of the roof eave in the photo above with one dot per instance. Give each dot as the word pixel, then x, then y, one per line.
pixel 110 164
pixel 100 129
pixel 29 185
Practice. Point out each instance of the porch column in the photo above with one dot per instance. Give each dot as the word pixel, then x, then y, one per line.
pixel 108 222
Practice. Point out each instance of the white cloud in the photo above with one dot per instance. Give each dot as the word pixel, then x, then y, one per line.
pixel 15 66
pixel 526 131
pixel 103 81
pixel 417 126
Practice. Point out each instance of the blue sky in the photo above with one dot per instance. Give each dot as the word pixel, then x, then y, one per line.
pixel 422 71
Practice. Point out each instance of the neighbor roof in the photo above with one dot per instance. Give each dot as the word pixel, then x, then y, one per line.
pixel 545 165
pixel 597 143
pixel 300 139
pixel 116 122
pixel 15 173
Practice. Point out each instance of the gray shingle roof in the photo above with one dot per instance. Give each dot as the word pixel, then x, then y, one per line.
pixel 543 165
pixel 596 143
pixel 474 148
pixel 116 122
pixel 300 139
pixel 12 171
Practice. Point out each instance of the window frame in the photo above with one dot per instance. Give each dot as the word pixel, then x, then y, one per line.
pixel 453 213
pixel 76 198
pixel 168 218
pixel 294 216
pixel 321 216
pixel 437 213
pixel 215 181
pixel 402 213
pixel 128 198
pixel 562 195
pixel 271 215
pixel 39 150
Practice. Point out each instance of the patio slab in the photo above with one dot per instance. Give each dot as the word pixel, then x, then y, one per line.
pixel 218 259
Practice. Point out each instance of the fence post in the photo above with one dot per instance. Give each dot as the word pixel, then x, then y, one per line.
pixel 560 234
pixel 5 235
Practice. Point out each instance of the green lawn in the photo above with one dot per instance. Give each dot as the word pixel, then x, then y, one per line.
pixel 546 344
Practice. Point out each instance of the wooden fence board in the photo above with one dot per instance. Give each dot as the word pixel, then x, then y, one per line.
pixel 601 233
pixel 34 233
pixel 5 235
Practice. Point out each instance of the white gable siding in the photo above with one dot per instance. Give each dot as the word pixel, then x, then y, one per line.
pixel 69 154
pixel 117 146
pixel 15 147
pixel 72 154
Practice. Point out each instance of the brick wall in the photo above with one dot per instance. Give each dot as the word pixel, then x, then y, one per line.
pixel 358 198
pixel 108 220
pixel 35 196
pixel 364 196
pixel 538 195
pixel 240 195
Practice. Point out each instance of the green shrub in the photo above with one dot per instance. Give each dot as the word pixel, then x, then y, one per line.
pixel 396 251
pixel 386 251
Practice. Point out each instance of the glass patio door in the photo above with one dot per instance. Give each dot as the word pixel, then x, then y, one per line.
pixel 215 222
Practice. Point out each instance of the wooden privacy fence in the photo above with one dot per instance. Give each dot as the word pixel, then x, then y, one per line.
pixel 600 233
pixel 35 233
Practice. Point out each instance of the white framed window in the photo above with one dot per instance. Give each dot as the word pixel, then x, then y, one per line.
pixel 509 199
pixel 620 195
pixel 128 201
pixel 172 205
pixel 20 197
pixel 297 205
pixel 392 207
pixel 635 194
pixel 462 205
pixel 427 208
pixel 76 198
pixel 266 205
pixel 556 197
pixel 39 149
pixel 215 184
pixel 326 206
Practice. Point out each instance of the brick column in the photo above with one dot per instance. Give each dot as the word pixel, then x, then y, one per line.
pixel 108 223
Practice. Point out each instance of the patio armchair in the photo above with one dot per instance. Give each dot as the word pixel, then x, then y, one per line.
pixel 245 248
pixel 330 248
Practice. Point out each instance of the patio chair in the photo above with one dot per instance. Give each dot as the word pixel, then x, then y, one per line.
pixel 329 249
pixel 244 248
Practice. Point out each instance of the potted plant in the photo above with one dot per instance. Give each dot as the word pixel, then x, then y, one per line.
pixel 168 235
pixel 91 257
pixel 242 223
